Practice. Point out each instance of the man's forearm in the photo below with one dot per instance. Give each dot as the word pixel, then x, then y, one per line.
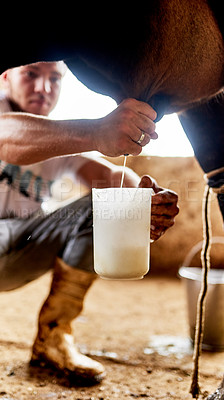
pixel 27 139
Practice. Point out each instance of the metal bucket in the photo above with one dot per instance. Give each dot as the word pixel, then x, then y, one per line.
pixel 213 338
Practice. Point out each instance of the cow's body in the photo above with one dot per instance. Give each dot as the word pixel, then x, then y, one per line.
pixel 170 53
pixel 171 57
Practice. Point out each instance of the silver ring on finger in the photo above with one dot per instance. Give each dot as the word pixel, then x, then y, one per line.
pixel 142 137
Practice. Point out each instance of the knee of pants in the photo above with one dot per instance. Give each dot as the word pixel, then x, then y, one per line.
pixel 16 270
pixel 79 251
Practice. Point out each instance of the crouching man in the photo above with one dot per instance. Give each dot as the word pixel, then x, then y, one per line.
pixel 33 242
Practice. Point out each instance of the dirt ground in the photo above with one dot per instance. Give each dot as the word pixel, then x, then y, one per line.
pixel 137 329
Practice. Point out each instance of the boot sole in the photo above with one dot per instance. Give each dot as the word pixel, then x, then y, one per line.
pixel 76 378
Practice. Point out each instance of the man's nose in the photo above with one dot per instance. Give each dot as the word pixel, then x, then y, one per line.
pixel 43 85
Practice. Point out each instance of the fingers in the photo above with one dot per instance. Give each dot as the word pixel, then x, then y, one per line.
pixel 164 197
pixel 163 209
pixel 138 118
pixel 119 132
pixel 144 124
pixel 145 109
pixel 159 225
pixel 162 222
pixel 156 233
pixel 146 139
pixel 148 182
pixel 163 212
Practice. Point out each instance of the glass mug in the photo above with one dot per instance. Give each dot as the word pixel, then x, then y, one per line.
pixel 121 232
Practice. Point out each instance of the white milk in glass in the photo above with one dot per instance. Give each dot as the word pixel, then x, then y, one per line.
pixel 121 232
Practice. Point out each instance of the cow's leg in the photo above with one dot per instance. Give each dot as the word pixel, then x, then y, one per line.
pixel 54 343
pixel 204 126
pixel 219 393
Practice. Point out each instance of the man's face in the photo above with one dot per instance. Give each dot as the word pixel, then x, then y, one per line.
pixel 35 88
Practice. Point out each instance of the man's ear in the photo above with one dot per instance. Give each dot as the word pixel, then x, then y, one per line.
pixel 4 82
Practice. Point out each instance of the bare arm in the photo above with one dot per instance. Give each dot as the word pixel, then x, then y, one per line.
pixel 26 138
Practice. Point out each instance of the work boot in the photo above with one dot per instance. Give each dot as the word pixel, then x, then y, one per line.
pixel 54 343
